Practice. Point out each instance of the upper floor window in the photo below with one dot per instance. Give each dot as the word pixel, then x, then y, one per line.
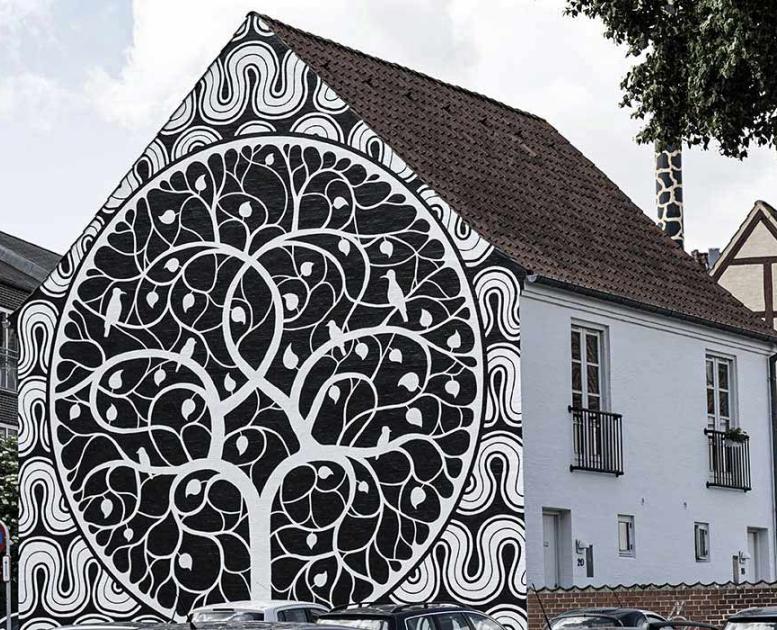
pixel 588 369
pixel 9 354
pixel 720 393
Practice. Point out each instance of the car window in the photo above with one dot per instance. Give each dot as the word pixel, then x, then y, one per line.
pixel 479 622
pixel 451 621
pixel 587 621
pixel 423 622
pixel 206 616
pixel 247 616
pixel 293 614
pixel 363 623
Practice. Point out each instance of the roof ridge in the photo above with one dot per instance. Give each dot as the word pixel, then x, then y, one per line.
pixel 385 62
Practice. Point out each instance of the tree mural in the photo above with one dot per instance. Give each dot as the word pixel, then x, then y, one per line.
pixel 267 380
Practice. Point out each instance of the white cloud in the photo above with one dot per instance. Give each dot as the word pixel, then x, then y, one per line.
pixel 23 18
pixel 34 100
pixel 173 42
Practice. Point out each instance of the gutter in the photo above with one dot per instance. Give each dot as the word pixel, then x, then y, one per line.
pixel 773 405
pixel 534 278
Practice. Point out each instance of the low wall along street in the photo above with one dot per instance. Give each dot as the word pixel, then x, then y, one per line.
pixel 704 603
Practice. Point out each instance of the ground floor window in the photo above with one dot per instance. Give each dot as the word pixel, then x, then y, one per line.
pixel 701 536
pixel 626 547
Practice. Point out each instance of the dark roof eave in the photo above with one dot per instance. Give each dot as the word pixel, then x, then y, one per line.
pixel 624 301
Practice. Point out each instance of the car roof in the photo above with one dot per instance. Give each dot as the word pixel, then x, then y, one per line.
pixel 256 604
pixel 618 613
pixel 394 610
pixel 767 612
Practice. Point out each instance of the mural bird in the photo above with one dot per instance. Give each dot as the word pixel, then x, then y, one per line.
pixel 113 312
pixel 336 335
pixel 186 352
pixel 396 296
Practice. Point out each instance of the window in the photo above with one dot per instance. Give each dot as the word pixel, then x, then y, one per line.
pixel 451 621
pixel 479 622
pixel 293 614
pixel 626 546
pixel 247 616
pixel 720 392
pixel 420 623
pixel 701 537
pixel 587 368
pixel 9 354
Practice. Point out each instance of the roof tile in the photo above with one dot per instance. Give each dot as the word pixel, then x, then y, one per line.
pixel 523 186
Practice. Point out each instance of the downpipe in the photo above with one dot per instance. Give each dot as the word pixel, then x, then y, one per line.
pixel 773 405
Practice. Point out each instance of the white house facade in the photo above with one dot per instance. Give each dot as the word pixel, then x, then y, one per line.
pixel 652 512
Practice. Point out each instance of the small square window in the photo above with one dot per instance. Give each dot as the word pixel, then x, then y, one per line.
pixel 701 537
pixel 626 547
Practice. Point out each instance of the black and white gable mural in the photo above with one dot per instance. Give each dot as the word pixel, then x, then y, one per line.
pixel 275 365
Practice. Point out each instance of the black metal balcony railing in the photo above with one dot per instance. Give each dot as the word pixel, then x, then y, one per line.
pixel 729 461
pixel 598 441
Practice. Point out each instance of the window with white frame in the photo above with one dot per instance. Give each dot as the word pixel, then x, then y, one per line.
pixel 626 546
pixel 701 537
pixel 720 392
pixel 588 368
pixel 9 354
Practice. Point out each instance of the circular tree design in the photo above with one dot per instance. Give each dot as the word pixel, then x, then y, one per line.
pixel 266 380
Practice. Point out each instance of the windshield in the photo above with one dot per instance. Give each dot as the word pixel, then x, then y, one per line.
pixel 751 625
pixel 582 621
pixel 361 624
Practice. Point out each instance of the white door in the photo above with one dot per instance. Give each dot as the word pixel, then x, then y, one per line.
pixel 753 567
pixel 550 548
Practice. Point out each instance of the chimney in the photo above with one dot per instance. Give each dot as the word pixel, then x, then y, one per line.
pixel 713 256
pixel 669 192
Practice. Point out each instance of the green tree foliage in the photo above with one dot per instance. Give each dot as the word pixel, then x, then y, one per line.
pixel 704 69
pixel 9 508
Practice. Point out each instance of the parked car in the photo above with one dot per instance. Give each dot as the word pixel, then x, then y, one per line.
pixel 249 610
pixel 605 617
pixel 207 625
pixel 753 619
pixel 431 616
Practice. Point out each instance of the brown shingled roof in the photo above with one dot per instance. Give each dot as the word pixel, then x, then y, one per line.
pixel 524 187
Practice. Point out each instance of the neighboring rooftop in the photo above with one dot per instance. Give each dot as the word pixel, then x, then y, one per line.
pixel 761 212
pixel 24 265
pixel 524 187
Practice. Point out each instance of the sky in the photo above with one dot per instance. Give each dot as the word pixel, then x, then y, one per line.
pixel 86 84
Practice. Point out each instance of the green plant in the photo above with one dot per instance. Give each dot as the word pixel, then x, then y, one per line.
pixel 9 510
pixel 736 434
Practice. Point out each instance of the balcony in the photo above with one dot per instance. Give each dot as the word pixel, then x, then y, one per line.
pixel 597 437
pixel 729 461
